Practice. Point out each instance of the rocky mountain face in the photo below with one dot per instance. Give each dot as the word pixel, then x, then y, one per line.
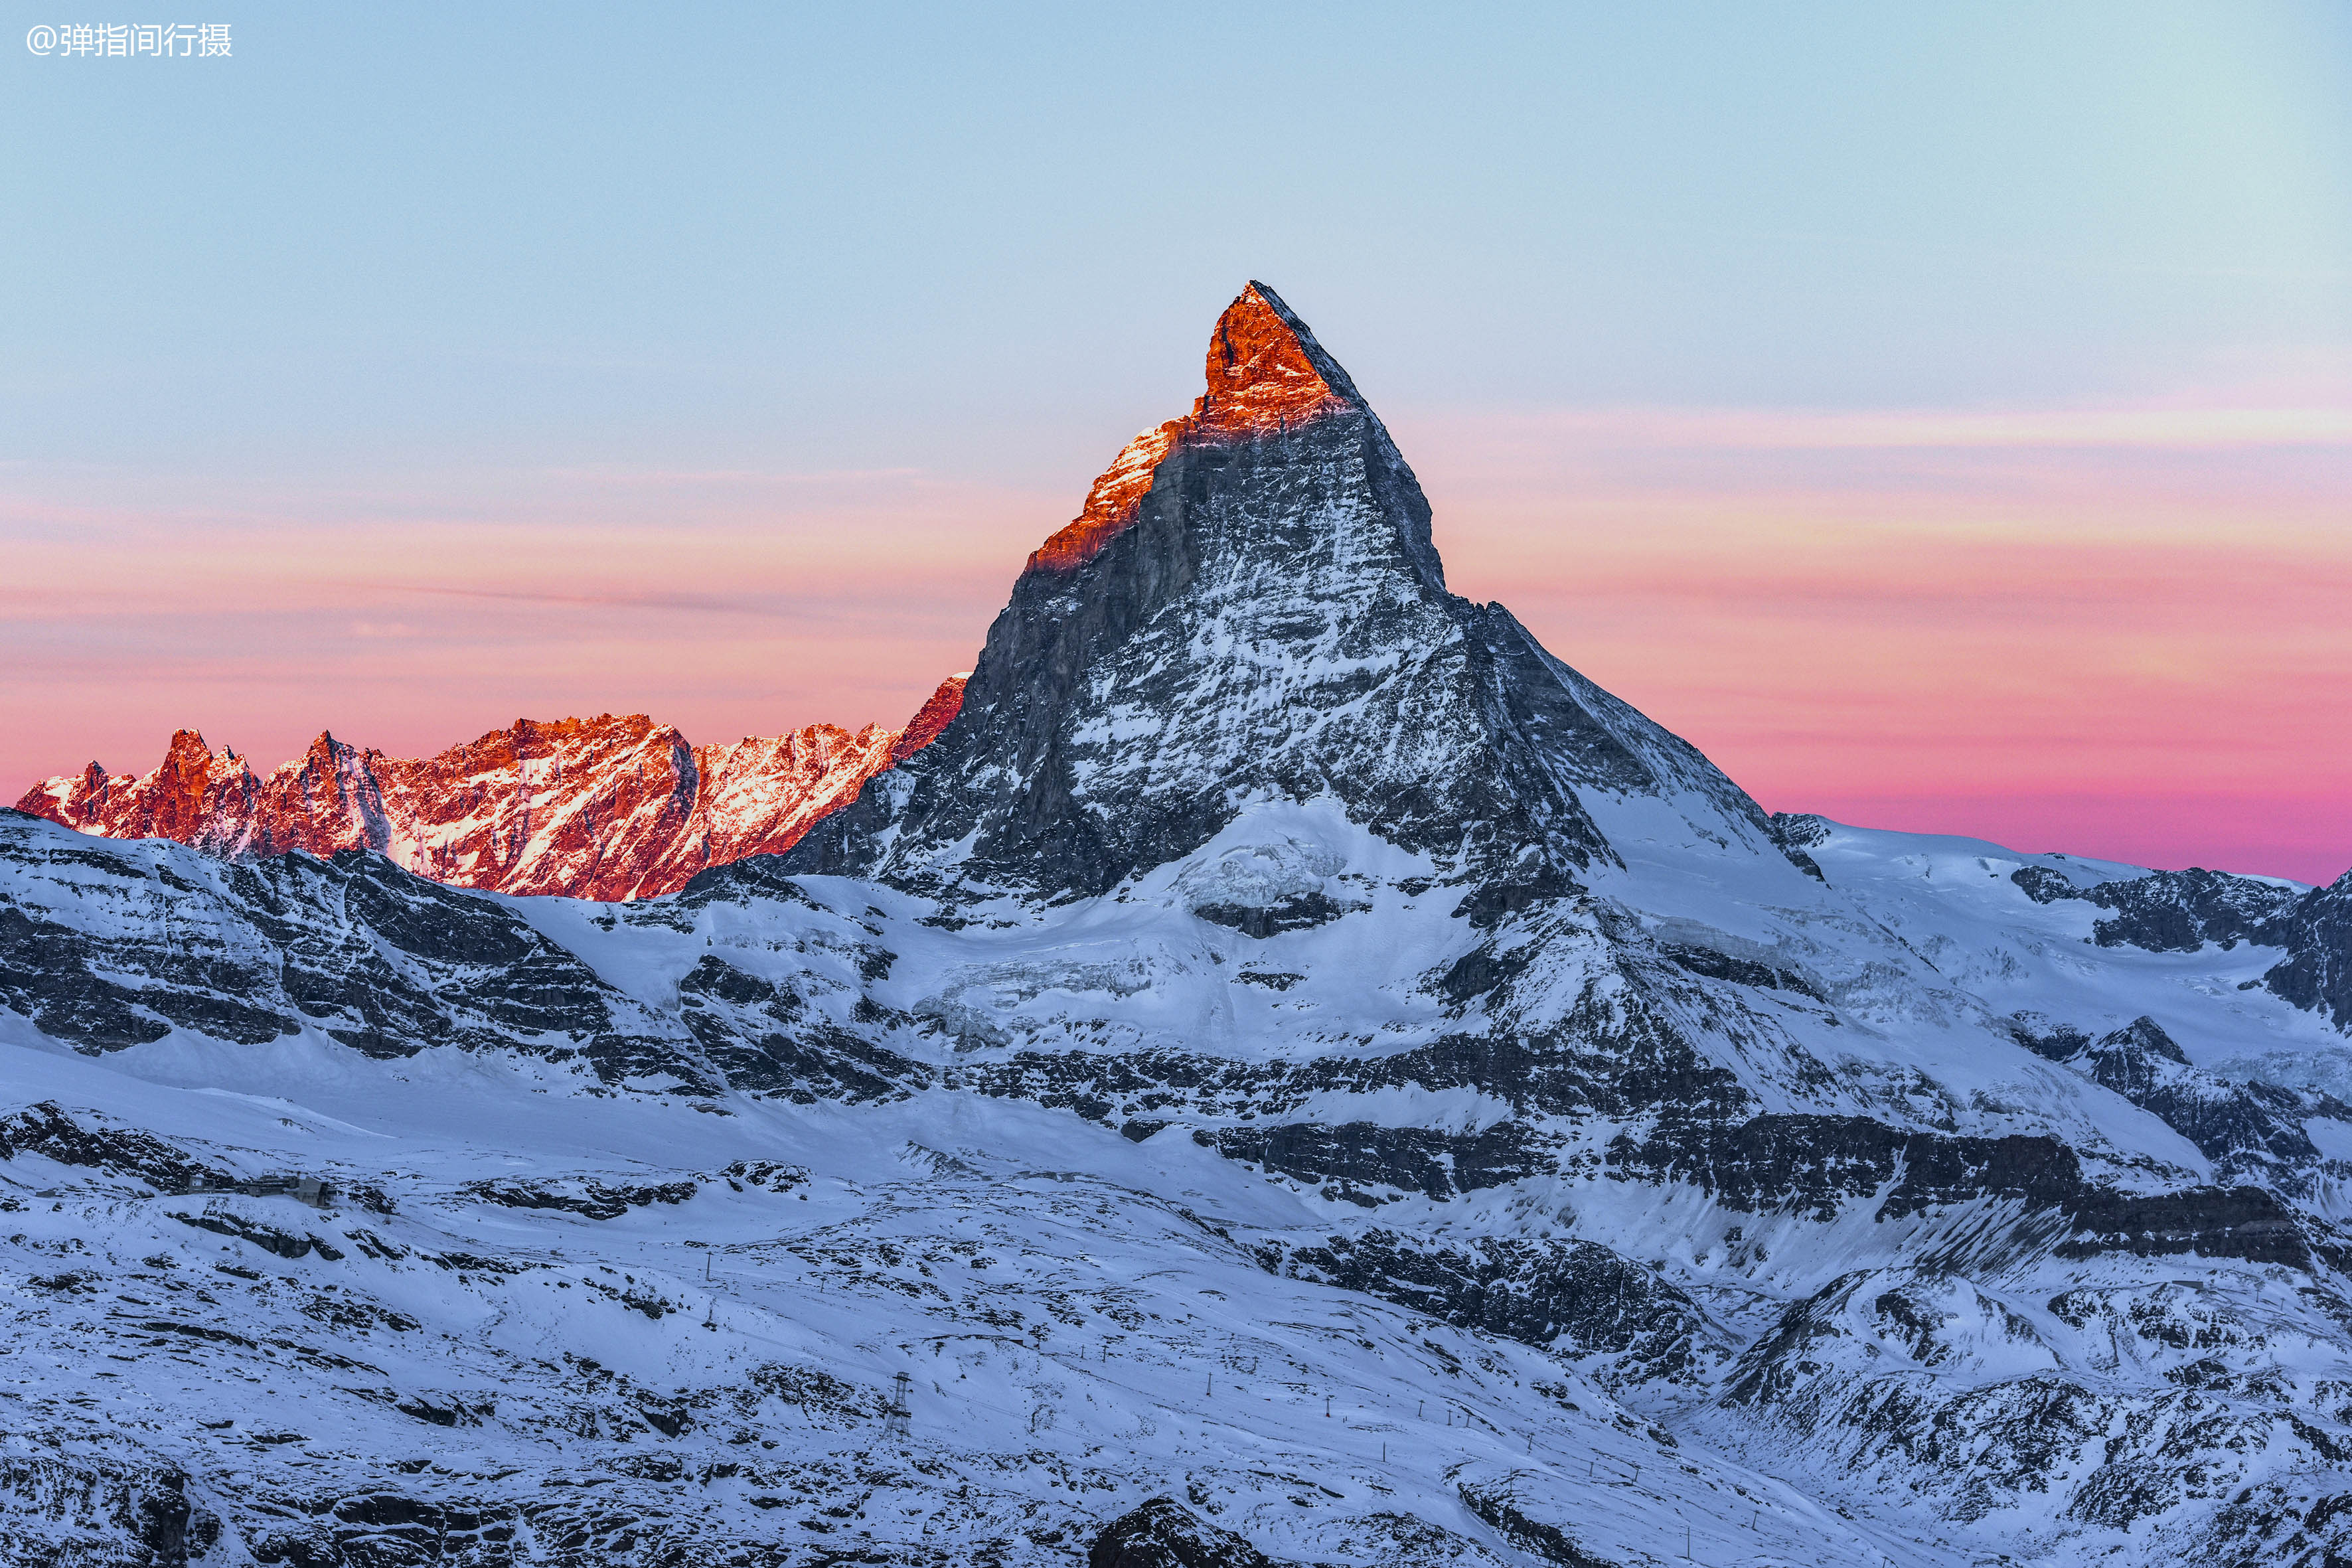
pixel 1291 1073
pixel 587 808
pixel 1259 615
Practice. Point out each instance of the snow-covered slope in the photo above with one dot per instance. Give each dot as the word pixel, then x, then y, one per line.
pixel 596 808
pixel 1293 1072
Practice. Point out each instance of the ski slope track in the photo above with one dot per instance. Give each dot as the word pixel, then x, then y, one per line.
pixel 1292 1074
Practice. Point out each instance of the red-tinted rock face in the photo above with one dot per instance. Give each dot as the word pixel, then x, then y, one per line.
pixel 1111 505
pixel 609 807
pixel 1265 373
pixel 930 719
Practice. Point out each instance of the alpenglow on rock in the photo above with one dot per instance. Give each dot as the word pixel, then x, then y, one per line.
pixel 1293 1074
pixel 1249 608
pixel 609 807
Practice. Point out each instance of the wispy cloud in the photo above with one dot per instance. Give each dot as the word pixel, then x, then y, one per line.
pixel 618 475
pixel 688 601
pixel 1738 429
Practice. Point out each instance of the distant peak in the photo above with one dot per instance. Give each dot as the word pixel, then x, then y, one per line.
pixel 1265 374
pixel 615 807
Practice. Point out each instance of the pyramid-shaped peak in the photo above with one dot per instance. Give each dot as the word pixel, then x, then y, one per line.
pixel 1267 372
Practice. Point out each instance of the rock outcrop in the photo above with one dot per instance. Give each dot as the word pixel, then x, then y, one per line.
pixel 609 807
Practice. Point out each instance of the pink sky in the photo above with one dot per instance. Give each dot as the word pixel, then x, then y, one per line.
pixel 2110 631
pixel 2117 632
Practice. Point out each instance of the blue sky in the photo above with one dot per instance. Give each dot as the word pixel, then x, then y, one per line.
pixel 455 231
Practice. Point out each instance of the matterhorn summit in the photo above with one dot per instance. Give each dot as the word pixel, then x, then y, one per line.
pixel 1249 610
pixel 1274 1068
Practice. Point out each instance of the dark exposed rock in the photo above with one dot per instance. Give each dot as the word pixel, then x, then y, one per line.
pixel 83 1512
pixel 353 1313
pixel 1480 972
pixel 2250 1223
pixel 808 1063
pixel 434 1413
pixel 1816 1165
pixel 1296 911
pixel 52 974
pixel 2316 974
pixel 1406 1158
pixel 716 978
pixel 2053 1042
pixel 2045 884
pixel 587 1196
pixel 753 876
pixel 1575 1295
pixel 2172 912
pixel 2279 1525
pixel 2249 1130
pixel 261 1234
pixel 2245 1129
pixel 389 964
pixel 760 1034
pixel 1498 1505
pixel 1740 971
pixel 1800 830
pixel 2180 911
pixel 43 1129
pixel 316 941
pixel 1164 1534
pixel 774 1175
pixel 1609 1058
pixel 201 1330
pixel 1796 832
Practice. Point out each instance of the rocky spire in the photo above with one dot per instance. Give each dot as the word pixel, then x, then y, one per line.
pixel 609 807
pixel 1265 374
pixel 1250 608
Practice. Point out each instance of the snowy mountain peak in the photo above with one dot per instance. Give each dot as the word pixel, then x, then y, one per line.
pixel 608 807
pixel 175 800
pixel 1249 610
pixel 1265 373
